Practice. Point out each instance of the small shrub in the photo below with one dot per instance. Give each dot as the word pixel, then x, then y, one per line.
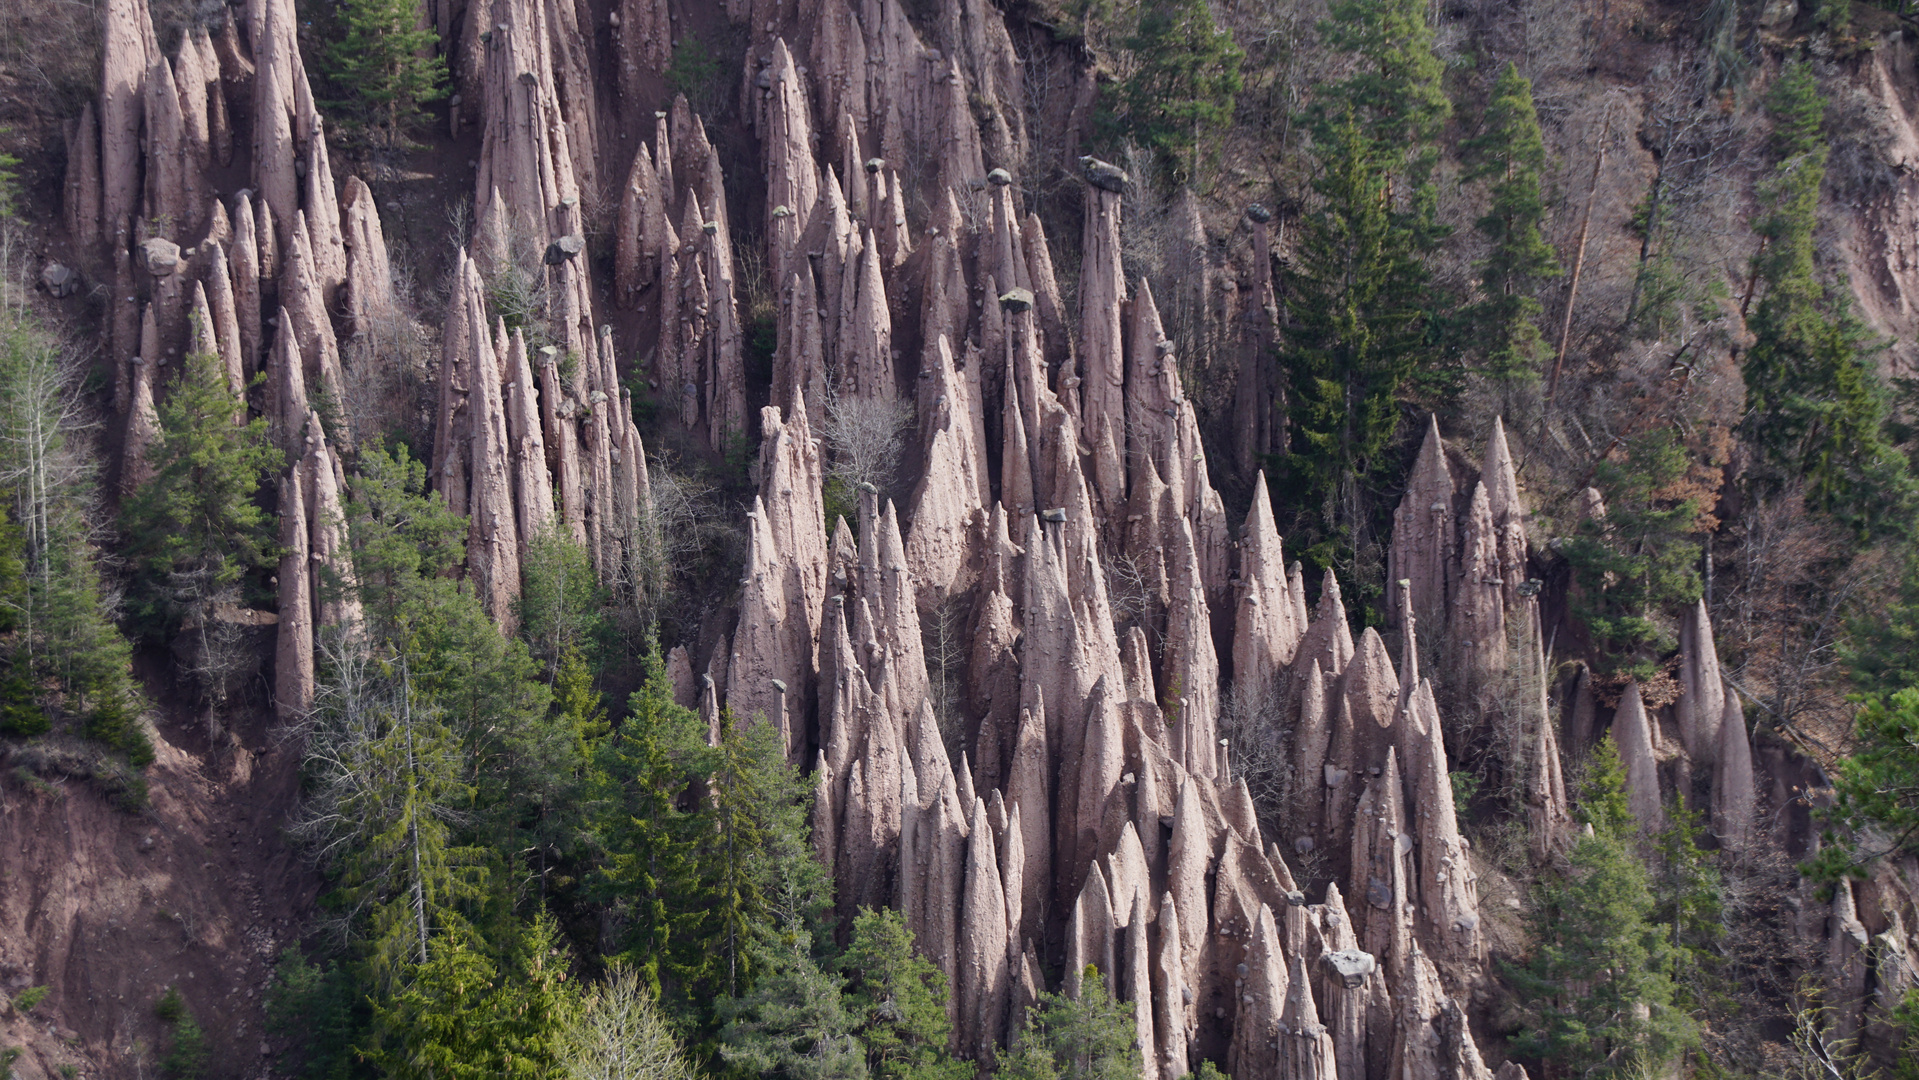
pixel 30 997
pixel 186 1056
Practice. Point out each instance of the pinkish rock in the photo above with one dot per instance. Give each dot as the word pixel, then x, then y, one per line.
pixel 1632 733
pixel 1259 1037
pixel 1421 553
pixel 293 675
pixel 1733 795
pixel 982 989
pixel 1702 698
pixel 369 276
pixel 80 199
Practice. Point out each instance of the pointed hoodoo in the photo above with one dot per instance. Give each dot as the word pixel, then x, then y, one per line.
pixel 1422 546
pixel 1264 635
pixel 1476 622
pixel 1733 797
pixel 1632 734
pixel 369 276
pixel 983 940
pixel 1327 638
pixel 1448 892
pixel 1258 421
pixel 336 589
pixel 1702 697
pixel 1259 1032
pixel 1102 288
pixel 1508 512
pixel 947 501
pixel 792 182
pixel 293 675
pixel 493 535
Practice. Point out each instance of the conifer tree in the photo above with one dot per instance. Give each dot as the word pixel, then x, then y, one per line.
pixel 1815 405
pixel 1357 288
pixel 898 1002
pixel 63 640
pixel 1091 1038
pixel 649 865
pixel 194 530
pixel 1601 973
pixel 1181 92
pixel 386 66
pixel 1509 152
pixel 1357 333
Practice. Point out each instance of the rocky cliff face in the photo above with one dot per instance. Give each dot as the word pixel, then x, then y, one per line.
pixel 1088 809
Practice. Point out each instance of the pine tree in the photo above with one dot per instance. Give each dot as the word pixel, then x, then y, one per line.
pixel 194 529
pixel 386 66
pixel 1510 152
pixel 1358 294
pixel 462 1015
pixel 1639 560
pixel 1091 1038
pixel 1815 406
pixel 1356 297
pixel 1602 970
pixel 898 1002
pixel 1180 94
pixel 649 864
pixel 793 1024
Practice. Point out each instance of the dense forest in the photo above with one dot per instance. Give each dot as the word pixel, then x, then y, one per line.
pixel 651 539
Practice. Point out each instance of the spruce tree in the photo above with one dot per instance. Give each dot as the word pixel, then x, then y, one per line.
pixel 1358 295
pixel 898 1002
pixel 194 530
pixel 1601 973
pixel 1180 93
pixel 649 866
pixel 1815 406
pixel 1061 1038
pixel 1509 152
pixel 385 66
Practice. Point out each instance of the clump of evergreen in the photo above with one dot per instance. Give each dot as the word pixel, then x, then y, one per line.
pixel 1358 297
pixel 1816 409
pixel 186 1055
pixel 1061 1038
pixel 1638 562
pixel 385 68
pixel 1601 975
pixel 1510 152
pixel 1179 94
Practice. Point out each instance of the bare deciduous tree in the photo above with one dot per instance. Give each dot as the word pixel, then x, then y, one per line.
pixel 864 438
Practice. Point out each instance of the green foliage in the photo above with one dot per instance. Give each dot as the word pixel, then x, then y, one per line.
pixel 64 657
pixel 30 998
pixel 193 530
pixel 696 72
pixel 463 1016
pixel 1688 900
pixel 1815 405
pixel 1878 784
pixel 793 1023
pixel 758 870
pixel 1063 1039
pixel 1179 94
pixel 561 602
pixel 898 1002
pixel 1206 1071
pixel 1602 960
pixel 9 187
pixel 403 539
pixel 1356 293
pixel 186 1055
pixel 1883 645
pixel 1639 560
pixel 318 1009
pixel 1360 337
pixel 1510 152
pixel 1395 93
pixel 385 67
pixel 649 862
